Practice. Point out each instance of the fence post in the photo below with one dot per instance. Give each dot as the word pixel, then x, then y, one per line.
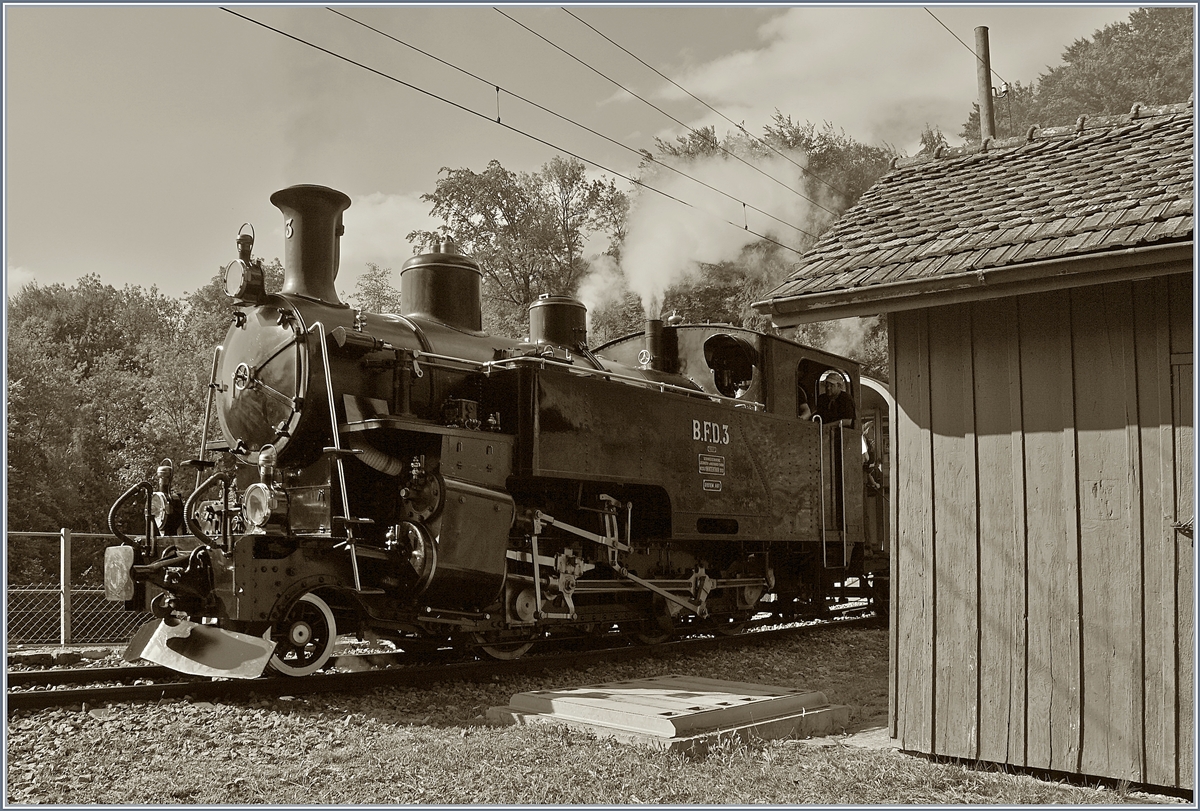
pixel 64 561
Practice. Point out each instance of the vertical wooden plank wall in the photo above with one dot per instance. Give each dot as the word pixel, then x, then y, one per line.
pixel 915 671
pixel 955 531
pixel 1159 553
pixel 1002 567
pixel 1042 596
pixel 1109 485
pixel 1051 533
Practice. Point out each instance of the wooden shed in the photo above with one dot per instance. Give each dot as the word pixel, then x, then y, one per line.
pixel 1040 306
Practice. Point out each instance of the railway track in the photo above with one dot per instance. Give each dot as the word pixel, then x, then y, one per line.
pixel 34 690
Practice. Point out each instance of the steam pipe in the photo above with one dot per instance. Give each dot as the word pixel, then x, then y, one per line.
pixel 377 459
pixel 112 513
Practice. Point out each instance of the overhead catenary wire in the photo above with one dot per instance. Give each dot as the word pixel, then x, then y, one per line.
pixel 965 45
pixel 509 127
pixel 562 117
pixel 651 104
pixel 741 127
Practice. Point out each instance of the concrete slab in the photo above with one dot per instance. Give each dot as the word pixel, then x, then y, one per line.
pixel 680 713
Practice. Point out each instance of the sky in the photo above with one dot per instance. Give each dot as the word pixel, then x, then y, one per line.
pixel 139 139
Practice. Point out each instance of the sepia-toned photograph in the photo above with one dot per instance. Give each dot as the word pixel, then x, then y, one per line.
pixel 599 405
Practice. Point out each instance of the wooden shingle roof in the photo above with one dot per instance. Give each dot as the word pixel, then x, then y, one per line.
pixel 1116 191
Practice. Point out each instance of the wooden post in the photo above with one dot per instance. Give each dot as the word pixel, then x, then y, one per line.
pixel 983 75
pixel 64 565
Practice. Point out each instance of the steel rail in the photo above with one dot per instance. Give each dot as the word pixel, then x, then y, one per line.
pixel 417 676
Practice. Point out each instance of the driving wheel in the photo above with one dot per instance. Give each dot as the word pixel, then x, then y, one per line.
pixel 304 637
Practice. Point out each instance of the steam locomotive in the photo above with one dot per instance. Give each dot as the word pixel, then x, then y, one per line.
pixel 410 477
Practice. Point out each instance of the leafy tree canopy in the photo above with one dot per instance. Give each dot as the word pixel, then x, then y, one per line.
pixel 1146 59
pixel 374 292
pixel 526 230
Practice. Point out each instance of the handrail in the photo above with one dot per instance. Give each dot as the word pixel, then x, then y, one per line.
pixel 842 482
pixel 486 367
pixel 333 430
pixel 43 534
pixel 641 381
pixel 821 483
pixel 212 392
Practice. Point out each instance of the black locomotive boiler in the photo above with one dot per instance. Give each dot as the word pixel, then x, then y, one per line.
pixel 410 477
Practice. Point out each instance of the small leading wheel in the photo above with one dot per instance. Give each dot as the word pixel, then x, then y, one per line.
pixel 733 624
pixel 304 637
pixel 490 644
pixel 659 626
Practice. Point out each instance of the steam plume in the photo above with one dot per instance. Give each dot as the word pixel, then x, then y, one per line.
pixel 602 286
pixel 666 242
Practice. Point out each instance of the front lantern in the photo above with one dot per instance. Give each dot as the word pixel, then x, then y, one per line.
pixel 260 504
pixel 244 282
pixel 244 277
pixel 160 506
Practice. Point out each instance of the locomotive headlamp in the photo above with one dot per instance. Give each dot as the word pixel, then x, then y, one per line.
pixel 160 505
pixel 244 281
pixel 267 458
pixel 245 242
pixel 164 474
pixel 260 504
pixel 244 278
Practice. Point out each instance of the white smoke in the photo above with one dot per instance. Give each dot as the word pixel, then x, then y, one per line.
pixel 848 336
pixel 666 241
pixel 604 285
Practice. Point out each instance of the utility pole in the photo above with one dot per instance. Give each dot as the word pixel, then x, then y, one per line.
pixel 983 72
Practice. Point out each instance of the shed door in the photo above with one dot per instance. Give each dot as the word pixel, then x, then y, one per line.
pixel 1182 378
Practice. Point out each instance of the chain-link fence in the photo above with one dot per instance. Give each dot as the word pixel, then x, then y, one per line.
pixel 55 591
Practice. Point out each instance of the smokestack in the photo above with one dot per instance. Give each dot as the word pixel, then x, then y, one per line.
pixel 312 230
pixel 654 344
pixel 983 73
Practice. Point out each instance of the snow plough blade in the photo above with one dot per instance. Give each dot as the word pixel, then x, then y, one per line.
pixel 200 650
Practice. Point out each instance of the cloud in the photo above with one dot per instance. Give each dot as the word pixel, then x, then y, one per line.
pixel 882 74
pixel 842 65
pixel 376 226
pixel 17 277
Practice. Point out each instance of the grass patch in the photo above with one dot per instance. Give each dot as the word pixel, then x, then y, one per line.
pixel 434 746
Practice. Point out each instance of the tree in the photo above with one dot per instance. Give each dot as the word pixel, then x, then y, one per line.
pixel 931 140
pixel 1146 59
pixel 526 230
pixel 1015 111
pixel 79 361
pixel 835 161
pixel 374 292
pixel 104 384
